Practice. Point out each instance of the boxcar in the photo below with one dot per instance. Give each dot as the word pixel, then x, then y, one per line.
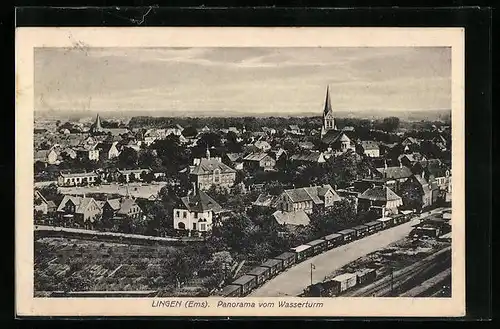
pixel 287 259
pixel 348 234
pixel 317 246
pixel 366 275
pixel 302 252
pixel 261 273
pixel 398 219
pixel 361 230
pixel 231 290
pixel 345 281
pixel 333 240
pixel 374 226
pixel 407 215
pixel 386 222
pixel 275 266
pixel 247 283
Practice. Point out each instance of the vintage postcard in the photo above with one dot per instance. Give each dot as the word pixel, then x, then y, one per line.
pixel 240 172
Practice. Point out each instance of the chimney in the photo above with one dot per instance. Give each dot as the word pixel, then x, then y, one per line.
pixel 208 153
pixel 400 164
pixel 385 164
pixel 193 188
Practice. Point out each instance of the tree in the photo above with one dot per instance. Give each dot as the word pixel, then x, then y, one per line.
pixel 122 179
pixel 337 217
pixel 189 132
pixel 128 158
pixel 210 139
pixel 390 124
pixel 147 176
pixel 411 195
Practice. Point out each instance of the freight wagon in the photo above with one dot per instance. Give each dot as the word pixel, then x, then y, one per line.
pixel 361 231
pixel 366 275
pixel 348 234
pixel 247 283
pixel 398 219
pixel 317 246
pixel 287 259
pixel 386 222
pixel 261 273
pixel 302 252
pixel 373 226
pixel 231 290
pixel 333 240
pixel 345 281
pixel 275 266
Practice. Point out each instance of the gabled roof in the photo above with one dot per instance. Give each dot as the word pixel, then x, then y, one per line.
pixel 294 127
pixel 264 200
pixel 298 195
pixel 369 145
pixel 83 174
pixel 81 203
pixel 257 156
pixel 200 202
pixel 395 172
pixel 307 156
pixel 292 218
pixel 114 204
pixel 379 193
pixel 334 136
pixel 209 165
pixel 234 156
pixel 414 157
pixel 125 205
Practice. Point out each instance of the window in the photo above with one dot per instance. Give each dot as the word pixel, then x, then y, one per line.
pixel 184 214
pixel 202 227
pixel 177 214
pixel 182 226
pixel 195 215
pixel 194 226
pixel 216 175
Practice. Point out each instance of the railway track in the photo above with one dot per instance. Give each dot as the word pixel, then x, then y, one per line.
pixel 428 287
pixel 403 279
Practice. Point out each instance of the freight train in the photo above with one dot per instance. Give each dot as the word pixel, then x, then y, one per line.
pixel 243 285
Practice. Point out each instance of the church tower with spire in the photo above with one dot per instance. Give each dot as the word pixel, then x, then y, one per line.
pixel 96 127
pixel 328 117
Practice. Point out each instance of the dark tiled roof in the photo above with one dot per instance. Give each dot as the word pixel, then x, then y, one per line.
pixel 209 165
pixel 333 136
pixel 307 156
pixel 379 193
pixel 395 172
pixel 200 202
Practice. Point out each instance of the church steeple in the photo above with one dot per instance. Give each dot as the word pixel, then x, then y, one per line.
pixel 97 127
pixel 328 117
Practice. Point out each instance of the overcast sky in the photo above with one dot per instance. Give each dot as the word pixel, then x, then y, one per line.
pixel 243 80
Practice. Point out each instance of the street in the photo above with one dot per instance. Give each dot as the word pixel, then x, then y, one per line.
pixel 293 281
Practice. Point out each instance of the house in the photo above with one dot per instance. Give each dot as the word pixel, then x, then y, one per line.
pixel 440 142
pixel 234 130
pixel 409 160
pixel 348 128
pixel 269 131
pixel 437 172
pixel 410 143
pixel 208 171
pixel 75 179
pixel 306 198
pixel 196 212
pixel 308 157
pixel 205 129
pixel 294 129
pixel 370 149
pixel 78 210
pixel 427 191
pixel 262 146
pixel 338 141
pixel 393 176
pixel 259 160
pixel 380 199
pixel 174 130
pixel 43 205
pixel 152 135
pixel 264 200
pixel 108 150
pixel 291 219
pixel 46 156
pixel 306 145
pixel 234 160
pixel 68 152
pixel 125 207
pixel 130 175
pixel 88 152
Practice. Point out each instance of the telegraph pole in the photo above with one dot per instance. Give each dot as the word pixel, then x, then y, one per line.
pixel 312 267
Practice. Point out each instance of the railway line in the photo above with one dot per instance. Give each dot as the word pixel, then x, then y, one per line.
pixel 431 287
pixel 405 279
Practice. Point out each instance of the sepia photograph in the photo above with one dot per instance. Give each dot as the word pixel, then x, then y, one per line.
pixel 242 177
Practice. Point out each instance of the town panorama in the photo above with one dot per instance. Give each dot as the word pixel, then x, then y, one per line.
pixel 243 206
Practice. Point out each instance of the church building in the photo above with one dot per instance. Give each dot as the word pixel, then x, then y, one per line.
pixel 337 141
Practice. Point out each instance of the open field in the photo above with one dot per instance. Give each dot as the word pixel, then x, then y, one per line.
pixel 137 190
pixel 78 265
